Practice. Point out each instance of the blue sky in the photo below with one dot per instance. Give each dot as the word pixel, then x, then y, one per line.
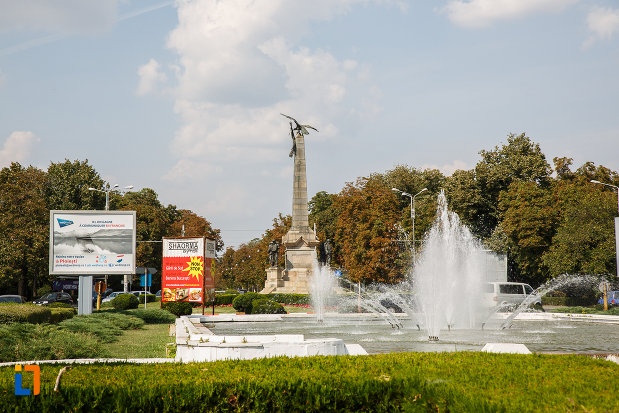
pixel 184 96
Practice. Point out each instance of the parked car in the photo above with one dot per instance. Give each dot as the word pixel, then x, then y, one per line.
pixel 509 294
pixel 54 298
pixel 111 296
pixel 12 299
pixel 612 298
pixel 158 294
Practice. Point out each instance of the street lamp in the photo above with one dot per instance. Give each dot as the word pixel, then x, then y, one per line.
pixel 612 186
pixel 107 189
pixel 412 197
pixel 616 224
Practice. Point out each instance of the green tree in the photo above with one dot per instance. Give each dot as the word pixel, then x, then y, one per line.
pixel 584 241
pixel 153 222
pixel 24 229
pixel 529 220
pixel 68 183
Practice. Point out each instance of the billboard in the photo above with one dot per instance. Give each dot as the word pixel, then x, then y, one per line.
pixel 91 242
pixel 186 268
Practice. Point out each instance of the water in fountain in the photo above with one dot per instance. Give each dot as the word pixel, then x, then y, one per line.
pixel 322 287
pixel 448 276
pixel 565 280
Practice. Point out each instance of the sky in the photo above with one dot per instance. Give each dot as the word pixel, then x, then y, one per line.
pixel 185 97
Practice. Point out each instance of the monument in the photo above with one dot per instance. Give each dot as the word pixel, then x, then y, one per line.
pixel 300 241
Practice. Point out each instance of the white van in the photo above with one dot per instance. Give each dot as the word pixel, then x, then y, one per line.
pixel 508 293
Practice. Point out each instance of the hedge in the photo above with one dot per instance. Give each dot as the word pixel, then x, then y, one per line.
pixel 266 306
pixel 224 299
pixel 457 382
pixel 150 298
pixel 178 308
pixel 568 301
pixel 290 299
pixel 24 313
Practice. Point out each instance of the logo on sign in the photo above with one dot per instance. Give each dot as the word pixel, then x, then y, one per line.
pixel 64 222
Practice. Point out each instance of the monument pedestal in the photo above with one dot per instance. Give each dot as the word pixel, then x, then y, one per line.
pixel 275 280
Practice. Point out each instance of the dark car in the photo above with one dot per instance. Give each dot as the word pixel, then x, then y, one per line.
pixel 12 299
pixel 54 298
pixel 612 298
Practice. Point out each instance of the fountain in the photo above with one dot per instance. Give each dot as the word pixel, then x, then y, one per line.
pixel 322 287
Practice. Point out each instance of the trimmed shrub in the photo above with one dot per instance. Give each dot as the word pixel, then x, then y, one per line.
pixel 125 302
pixel 266 306
pixel 152 315
pixel 231 291
pixel 150 298
pixel 224 299
pixel 290 299
pixel 24 313
pixel 178 308
pixel 60 314
pixel 103 330
pixel 23 341
pixel 243 302
pixel 122 321
pixel 59 305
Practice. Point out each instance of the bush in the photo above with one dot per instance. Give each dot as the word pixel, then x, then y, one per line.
pixel 60 314
pixel 290 299
pixel 59 305
pixel 243 302
pixel 178 308
pixel 266 306
pixel 231 291
pixel 224 299
pixel 24 313
pixel 125 302
pixel 150 298
pixel 152 315
pixel 103 330
pixel 23 341
pixel 122 321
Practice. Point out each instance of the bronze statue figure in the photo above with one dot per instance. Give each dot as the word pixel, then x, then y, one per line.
pixel 301 129
pixel 273 253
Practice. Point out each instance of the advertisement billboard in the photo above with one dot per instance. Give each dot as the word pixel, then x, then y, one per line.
pixel 91 242
pixel 186 268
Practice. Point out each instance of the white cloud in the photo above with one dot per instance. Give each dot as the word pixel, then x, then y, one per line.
pixel 449 169
pixel 481 13
pixel 602 23
pixel 150 77
pixel 17 147
pixel 236 73
pixel 58 16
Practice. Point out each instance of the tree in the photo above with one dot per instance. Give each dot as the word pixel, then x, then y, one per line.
pixel 519 160
pixel 195 226
pixel 153 222
pixel 584 241
pixel 68 183
pixel 529 220
pixel 367 230
pixel 24 226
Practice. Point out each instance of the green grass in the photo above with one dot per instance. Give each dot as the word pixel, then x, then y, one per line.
pixel 585 310
pixel 147 342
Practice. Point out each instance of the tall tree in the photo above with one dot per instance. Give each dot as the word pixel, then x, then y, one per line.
pixel 24 229
pixel 68 184
pixel 367 231
pixel 584 241
pixel 195 226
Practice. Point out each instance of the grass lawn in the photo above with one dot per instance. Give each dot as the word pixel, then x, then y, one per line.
pixel 145 342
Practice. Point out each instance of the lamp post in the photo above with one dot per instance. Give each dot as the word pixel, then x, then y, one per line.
pixel 412 198
pixel 106 189
pixel 612 186
pixel 616 224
